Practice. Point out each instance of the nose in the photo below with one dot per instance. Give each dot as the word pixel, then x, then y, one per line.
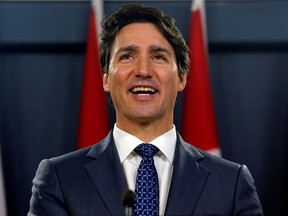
pixel 144 69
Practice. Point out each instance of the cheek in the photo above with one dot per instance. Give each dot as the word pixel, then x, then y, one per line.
pixel 175 85
pixel 172 80
pixel 122 76
pixel 116 83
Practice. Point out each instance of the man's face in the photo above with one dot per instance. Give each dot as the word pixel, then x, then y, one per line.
pixel 143 78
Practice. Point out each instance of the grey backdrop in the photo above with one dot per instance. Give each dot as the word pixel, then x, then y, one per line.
pixel 42 46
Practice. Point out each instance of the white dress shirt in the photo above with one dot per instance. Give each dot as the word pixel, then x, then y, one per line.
pixel 126 143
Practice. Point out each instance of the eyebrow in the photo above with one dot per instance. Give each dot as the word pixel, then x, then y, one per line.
pixel 152 48
pixel 155 48
pixel 127 49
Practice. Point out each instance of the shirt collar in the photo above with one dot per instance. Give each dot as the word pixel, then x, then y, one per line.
pixel 126 143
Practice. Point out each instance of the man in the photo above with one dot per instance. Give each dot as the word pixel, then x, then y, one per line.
pixel 145 63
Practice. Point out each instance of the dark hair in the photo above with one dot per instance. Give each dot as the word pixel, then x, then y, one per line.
pixel 136 13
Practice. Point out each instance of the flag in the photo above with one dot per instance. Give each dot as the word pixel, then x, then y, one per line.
pixel 199 122
pixel 93 121
pixel 2 190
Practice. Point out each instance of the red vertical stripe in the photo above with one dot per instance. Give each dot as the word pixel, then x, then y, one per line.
pixel 199 125
pixel 93 122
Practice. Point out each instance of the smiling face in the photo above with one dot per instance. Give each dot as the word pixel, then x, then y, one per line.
pixel 143 78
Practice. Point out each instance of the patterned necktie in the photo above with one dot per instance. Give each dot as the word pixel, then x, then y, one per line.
pixel 147 189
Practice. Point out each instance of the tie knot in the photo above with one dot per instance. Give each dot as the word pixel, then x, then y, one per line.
pixel 146 150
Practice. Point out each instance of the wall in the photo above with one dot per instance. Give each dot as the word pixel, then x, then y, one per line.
pixel 42 46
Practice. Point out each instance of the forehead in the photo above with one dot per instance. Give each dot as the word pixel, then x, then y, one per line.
pixel 142 35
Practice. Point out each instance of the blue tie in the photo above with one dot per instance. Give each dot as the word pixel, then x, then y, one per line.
pixel 147 189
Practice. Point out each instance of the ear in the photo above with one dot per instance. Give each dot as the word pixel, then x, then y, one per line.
pixel 182 82
pixel 105 82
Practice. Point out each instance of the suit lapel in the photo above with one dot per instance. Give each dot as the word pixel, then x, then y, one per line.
pixel 107 175
pixel 188 180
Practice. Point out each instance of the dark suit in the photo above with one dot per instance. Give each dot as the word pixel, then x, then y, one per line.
pixel 91 182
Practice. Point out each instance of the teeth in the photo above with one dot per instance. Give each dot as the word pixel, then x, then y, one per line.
pixel 143 89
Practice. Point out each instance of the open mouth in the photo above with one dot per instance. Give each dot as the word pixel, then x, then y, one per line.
pixel 140 90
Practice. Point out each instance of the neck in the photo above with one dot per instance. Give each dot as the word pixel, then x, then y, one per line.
pixel 145 131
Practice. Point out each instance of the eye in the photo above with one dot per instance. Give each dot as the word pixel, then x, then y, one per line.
pixel 125 57
pixel 159 57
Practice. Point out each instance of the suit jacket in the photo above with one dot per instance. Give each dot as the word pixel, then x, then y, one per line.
pixel 91 182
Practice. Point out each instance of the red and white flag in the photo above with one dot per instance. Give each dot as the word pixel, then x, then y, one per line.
pixel 93 122
pixel 199 122
pixel 2 190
